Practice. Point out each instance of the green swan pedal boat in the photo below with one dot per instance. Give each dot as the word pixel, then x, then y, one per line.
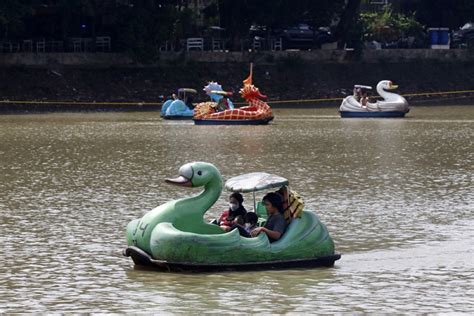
pixel 175 237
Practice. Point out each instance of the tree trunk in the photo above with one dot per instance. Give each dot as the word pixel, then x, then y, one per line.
pixel 348 18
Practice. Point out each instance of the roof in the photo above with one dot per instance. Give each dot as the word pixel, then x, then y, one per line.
pixel 187 90
pixel 362 86
pixel 221 92
pixel 255 181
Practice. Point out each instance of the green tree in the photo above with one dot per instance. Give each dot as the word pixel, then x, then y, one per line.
pixel 144 26
pixel 349 30
pixel 12 13
pixel 238 16
pixel 440 13
pixel 388 26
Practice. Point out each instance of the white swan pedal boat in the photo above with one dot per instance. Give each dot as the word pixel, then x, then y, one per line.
pixel 392 105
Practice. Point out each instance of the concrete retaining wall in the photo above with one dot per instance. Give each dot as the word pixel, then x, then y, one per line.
pixel 66 59
pixel 332 56
pixel 267 57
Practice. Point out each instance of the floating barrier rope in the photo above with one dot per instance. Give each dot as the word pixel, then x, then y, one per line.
pixel 239 103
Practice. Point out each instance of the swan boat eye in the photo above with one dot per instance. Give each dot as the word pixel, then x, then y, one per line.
pixel 199 172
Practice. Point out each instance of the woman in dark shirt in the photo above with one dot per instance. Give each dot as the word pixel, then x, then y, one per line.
pixel 234 214
pixel 276 224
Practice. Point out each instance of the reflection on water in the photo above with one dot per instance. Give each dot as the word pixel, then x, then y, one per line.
pixel 396 196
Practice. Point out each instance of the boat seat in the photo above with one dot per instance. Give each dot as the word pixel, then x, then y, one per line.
pixel 261 212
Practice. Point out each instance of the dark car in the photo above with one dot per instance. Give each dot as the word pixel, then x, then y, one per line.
pixel 303 36
pixel 464 36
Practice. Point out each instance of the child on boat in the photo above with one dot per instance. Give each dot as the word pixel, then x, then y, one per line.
pixel 250 223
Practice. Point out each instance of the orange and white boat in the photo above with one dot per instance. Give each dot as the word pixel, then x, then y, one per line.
pixel 257 112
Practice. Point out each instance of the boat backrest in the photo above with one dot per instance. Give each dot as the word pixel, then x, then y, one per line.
pixel 296 204
pixel 284 192
pixel 260 210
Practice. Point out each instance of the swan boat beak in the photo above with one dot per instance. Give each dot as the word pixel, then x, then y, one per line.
pixel 392 86
pixel 180 181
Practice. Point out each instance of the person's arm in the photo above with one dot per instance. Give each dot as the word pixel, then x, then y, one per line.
pixel 238 220
pixel 223 218
pixel 273 234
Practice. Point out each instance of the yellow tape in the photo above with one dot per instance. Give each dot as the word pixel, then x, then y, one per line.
pixel 238 103
pixel 79 102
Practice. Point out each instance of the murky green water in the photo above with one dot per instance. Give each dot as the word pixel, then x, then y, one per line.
pixel 396 194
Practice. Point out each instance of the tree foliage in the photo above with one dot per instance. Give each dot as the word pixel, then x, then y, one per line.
pixel 388 26
pixel 440 13
pixel 141 26
pixel 12 13
pixel 238 16
pixel 349 28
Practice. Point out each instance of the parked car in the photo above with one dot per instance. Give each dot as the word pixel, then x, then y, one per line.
pixel 463 36
pixel 303 36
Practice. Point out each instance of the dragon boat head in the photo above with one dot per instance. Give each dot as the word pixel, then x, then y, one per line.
pixel 251 92
pixel 195 174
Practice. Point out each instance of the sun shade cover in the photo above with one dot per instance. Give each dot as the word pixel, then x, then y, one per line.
pixel 255 181
pixel 362 87
pixel 189 90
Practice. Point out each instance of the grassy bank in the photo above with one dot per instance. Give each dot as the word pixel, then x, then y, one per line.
pixel 289 79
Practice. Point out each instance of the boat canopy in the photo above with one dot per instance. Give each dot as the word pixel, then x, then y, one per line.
pixel 189 90
pixel 226 93
pixel 362 87
pixel 255 181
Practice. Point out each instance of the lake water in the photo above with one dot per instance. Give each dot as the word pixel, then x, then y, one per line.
pixel 396 195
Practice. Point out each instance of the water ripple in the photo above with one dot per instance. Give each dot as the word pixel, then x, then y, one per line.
pixel 396 196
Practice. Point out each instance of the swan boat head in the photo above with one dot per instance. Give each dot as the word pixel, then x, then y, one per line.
pixel 386 85
pixel 196 174
pixel 391 100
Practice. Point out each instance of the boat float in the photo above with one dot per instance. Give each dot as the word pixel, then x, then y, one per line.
pixel 180 107
pixel 175 237
pixel 257 112
pixel 392 105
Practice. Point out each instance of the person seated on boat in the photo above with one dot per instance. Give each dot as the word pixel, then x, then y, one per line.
pixel 276 224
pixel 250 223
pixel 292 203
pixel 284 193
pixel 223 104
pixel 357 93
pixel 234 214
pixel 364 99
